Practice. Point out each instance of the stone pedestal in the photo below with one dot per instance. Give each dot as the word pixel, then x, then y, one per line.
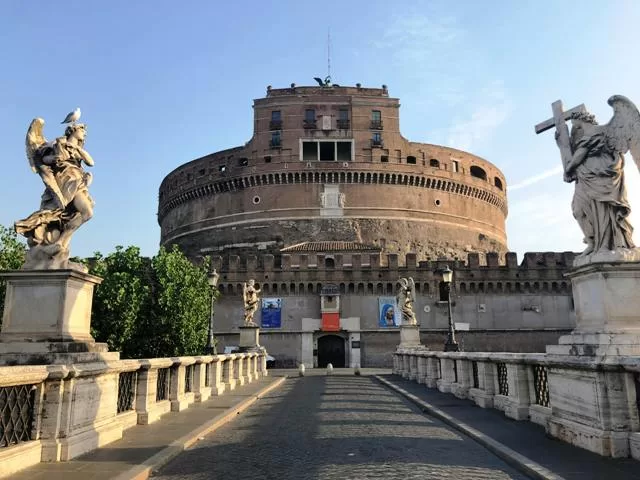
pixel 249 339
pixel 409 336
pixel 594 407
pixel 47 318
pixel 607 311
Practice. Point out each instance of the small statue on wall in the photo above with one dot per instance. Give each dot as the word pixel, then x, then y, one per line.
pixel 593 158
pixel 65 204
pixel 251 302
pixel 405 298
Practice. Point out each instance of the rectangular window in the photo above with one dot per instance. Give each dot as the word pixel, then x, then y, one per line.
pixel 275 116
pixel 309 151
pixel 275 139
pixel 310 115
pixel 344 114
pixel 376 139
pixel 384 159
pixel 327 151
pixel 344 151
pixel 376 116
pixel 454 166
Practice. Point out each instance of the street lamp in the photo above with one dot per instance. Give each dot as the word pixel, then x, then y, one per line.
pixel 450 345
pixel 213 283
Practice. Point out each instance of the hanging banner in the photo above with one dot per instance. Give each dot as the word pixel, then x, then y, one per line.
pixel 388 312
pixel 330 322
pixel 271 312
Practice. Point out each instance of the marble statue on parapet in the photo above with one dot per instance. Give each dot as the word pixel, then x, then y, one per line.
pixel 405 298
pixel 251 301
pixel 593 158
pixel 65 204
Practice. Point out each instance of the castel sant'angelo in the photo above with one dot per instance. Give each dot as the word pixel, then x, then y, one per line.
pixel 327 205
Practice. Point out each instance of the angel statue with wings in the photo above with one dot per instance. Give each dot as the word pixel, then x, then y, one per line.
pixel 65 204
pixel 405 298
pixel 251 300
pixel 594 160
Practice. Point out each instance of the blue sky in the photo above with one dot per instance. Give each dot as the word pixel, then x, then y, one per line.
pixel 163 82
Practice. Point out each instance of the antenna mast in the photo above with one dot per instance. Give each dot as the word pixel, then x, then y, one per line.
pixel 329 53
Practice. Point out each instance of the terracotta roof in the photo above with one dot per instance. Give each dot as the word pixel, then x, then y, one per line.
pixel 334 246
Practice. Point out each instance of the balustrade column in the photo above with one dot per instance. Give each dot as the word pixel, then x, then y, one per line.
pixel 422 369
pixel 447 373
pixel 216 381
pixel 228 371
pixel 433 372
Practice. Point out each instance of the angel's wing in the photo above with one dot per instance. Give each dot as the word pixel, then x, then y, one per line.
pixel 35 139
pixel 623 130
pixel 412 288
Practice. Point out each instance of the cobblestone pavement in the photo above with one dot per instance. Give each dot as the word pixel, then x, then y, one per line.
pixel 336 427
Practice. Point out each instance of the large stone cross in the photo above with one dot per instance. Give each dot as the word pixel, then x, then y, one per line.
pixel 559 121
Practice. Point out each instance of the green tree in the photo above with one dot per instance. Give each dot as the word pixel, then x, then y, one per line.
pixel 12 252
pixel 181 305
pixel 155 307
pixel 121 300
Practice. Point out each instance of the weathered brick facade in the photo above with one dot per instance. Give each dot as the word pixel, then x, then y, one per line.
pixel 329 165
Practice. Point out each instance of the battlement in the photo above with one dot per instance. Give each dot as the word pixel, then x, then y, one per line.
pixel 392 262
pixel 302 274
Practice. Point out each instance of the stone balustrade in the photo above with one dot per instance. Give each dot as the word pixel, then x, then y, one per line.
pixel 586 401
pixel 58 412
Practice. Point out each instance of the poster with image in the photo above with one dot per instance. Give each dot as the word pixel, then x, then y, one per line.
pixel 271 312
pixel 388 313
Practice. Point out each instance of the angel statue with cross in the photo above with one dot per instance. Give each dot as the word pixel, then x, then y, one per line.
pixel 593 158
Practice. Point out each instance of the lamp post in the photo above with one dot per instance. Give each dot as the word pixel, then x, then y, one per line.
pixel 450 345
pixel 213 283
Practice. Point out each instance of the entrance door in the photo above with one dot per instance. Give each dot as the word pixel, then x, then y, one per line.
pixel 331 350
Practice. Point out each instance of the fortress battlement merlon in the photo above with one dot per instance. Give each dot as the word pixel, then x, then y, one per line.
pixel 295 274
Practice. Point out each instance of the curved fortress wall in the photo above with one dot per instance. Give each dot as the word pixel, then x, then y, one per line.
pixel 329 163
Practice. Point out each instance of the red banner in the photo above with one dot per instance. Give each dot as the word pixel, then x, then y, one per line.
pixel 331 322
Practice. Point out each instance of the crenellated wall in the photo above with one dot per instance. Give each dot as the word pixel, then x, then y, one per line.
pixel 509 305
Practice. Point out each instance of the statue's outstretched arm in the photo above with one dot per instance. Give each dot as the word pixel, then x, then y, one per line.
pixel 577 158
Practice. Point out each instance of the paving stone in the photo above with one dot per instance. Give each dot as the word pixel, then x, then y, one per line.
pixel 336 427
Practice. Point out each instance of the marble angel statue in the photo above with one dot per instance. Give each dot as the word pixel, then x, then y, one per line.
pixel 405 298
pixel 594 160
pixel 65 204
pixel 251 301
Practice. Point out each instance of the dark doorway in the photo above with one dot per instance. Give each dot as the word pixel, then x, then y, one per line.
pixel 331 350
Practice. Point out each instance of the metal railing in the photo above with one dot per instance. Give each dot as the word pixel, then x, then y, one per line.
pixel 189 372
pixel 474 371
pixel 503 382
pixel 541 385
pixel 16 414
pixel 126 391
pixel 163 384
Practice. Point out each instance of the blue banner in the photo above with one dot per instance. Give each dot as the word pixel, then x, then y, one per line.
pixel 388 313
pixel 271 309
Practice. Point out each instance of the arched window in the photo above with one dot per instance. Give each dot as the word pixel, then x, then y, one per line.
pixel 478 172
pixel 329 263
pixel 497 182
pixel 434 163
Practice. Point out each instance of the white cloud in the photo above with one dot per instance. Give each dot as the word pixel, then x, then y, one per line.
pixel 552 172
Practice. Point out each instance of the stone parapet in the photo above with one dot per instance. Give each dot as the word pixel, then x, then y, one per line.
pixel 76 408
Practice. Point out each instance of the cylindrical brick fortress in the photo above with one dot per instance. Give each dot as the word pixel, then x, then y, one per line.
pixel 329 163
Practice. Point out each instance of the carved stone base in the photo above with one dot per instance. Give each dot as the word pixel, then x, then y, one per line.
pixel 249 339
pixel 608 256
pixel 409 336
pixel 591 409
pixel 47 318
pixel 607 309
